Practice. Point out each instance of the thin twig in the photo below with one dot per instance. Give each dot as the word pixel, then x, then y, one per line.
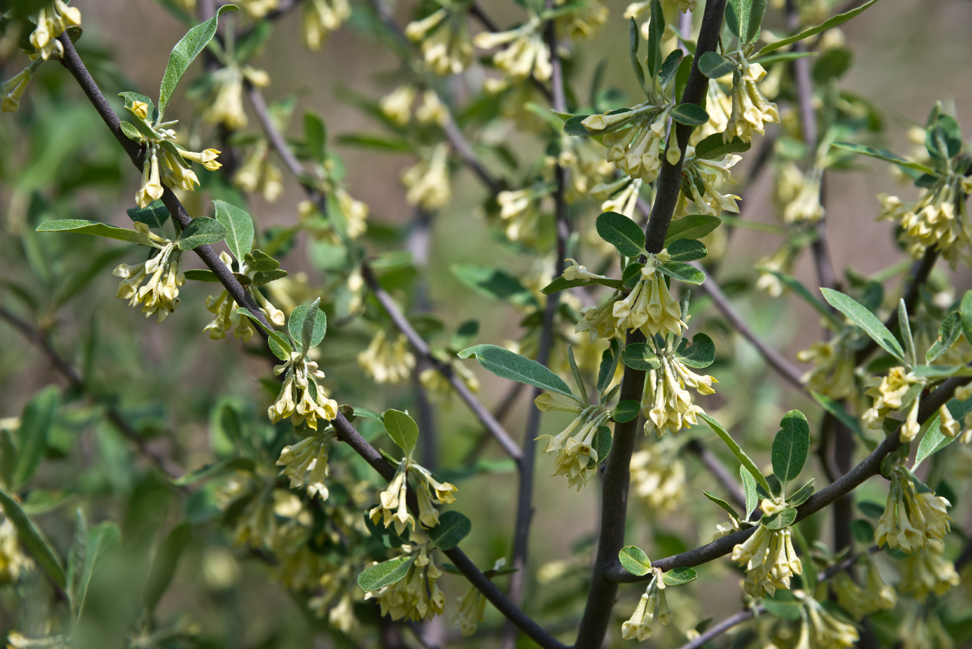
pixel 422 349
pixel 718 470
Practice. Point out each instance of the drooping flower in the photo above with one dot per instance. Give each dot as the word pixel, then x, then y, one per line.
pixel 392 508
pixel 653 604
pixel 783 261
pixel 666 402
pixel 305 463
pixel 750 110
pixel 798 195
pixel 657 479
pixel 224 104
pixel 471 611
pixel 13 89
pixel 526 53
pixel 876 595
pixel 443 37
pixel 432 110
pixel 926 572
pixel 573 448
pixel 438 388
pixel 387 361
pixel 417 596
pixel 650 306
pixel 899 389
pixel 51 21
pixel 318 18
pixel 832 373
pixel 397 105
pixel 259 173
pixel 770 560
pixel 224 307
pixel 636 149
pixel 588 169
pixel 620 196
pixel 911 519
pixel 520 212
pixel 823 629
pixel 12 557
pixel 427 181
pixel 701 175
pixel 160 295
pixel 301 397
pixel 338 584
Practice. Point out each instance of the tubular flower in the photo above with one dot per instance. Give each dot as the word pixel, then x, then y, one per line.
pixel 824 630
pixel 899 389
pixel 438 388
pixel 927 572
pixel 700 175
pixel 520 213
pixel 652 604
pixel 224 307
pixel 939 219
pixel 624 201
pixel 318 18
pixel 719 107
pixel 783 260
pixel 832 373
pixel 526 53
pixel 750 110
pixel 471 611
pixel 337 582
pixel 417 596
pixel 444 40
pixel 599 321
pixel 432 110
pixel 387 362
pixel 259 173
pixel 911 519
pixel 798 195
pixel 770 561
pixel 429 491
pixel 666 402
pixel 257 9
pixel 12 90
pixel 636 149
pixel 650 305
pixel 12 557
pixel 573 448
pixel 427 182
pixel 588 168
pixel 922 628
pixel 305 463
pixel 397 105
pixel 584 21
pixel 160 295
pixel 876 595
pixel 224 104
pixel 51 21
pixel 301 398
pixel 657 480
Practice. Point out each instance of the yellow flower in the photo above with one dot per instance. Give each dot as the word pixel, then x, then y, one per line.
pixel 393 510
pixel 832 373
pixel 224 307
pixel 51 21
pixel 259 173
pixel 657 480
pixel 520 212
pixel 650 305
pixel 338 582
pixel 770 561
pixel 892 393
pixel 387 362
pixel 701 171
pixel 750 110
pixel 415 597
pixel 526 53
pixel 782 261
pixel 572 448
pixel 12 557
pixel 305 463
pixel 876 595
pixel 825 630
pixel 666 403
pixel 624 201
pixel 151 189
pixel 259 8
pixel 432 110
pixel 301 397
pixel 471 611
pixel 427 181
pixel 444 40
pixel 600 321
pixel 438 388
pixel 160 296
pixel 927 572
pixel 397 105
pixel 651 605
pixel 911 519
pixel 13 89
pixel 318 18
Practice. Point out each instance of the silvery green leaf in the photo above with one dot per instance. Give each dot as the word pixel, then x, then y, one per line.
pixel 831 22
pixel 308 324
pixel 948 332
pixel 508 365
pixel 384 574
pixel 154 215
pixel 33 541
pixel 622 233
pixel 693 226
pixel 679 576
pixel 239 228
pixel 201 231
pixel 744 459
pixel 402 429
pixel 682 272
pixel 634 560
pixel 95 228
pixel 791 446
pixel 722 503
pixel 865 320
pixel 453 527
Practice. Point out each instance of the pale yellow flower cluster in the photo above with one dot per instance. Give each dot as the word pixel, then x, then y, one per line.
pixel 13 89
pixel 798 195
pixel 708 173
pixel 666 402
pixel 224 307
pixel 224 105
pixel 922 628
pixel 340 588
pixel 620 197
pixel 387 361
pixel 653 604
pixel 259 173
pixel 305 462
pixel 657 480
pixel 821 630
pixel 832 373
pixel 257 9
pixel 911 519
pixel 471 611
pixel 526 53
pixel 417 596
pixel 427 182
pixel 584 21
pixel 650 306
pixel 393 509
pixel 301 397
pixel 889 394
pixel 927 572
pixel 783 261
pixel 939 219
pixel 438 388
pixel 573 448
pixel 51 21
pixel 397 106
pixel 770 560
pixel 636 149
pixel 444 40
pixel 719 107
pixel 588 168
pixel 160 296
pixel 12 557
pixel 318 18
pixel 876 595
pixel 750 110
pixel 520 213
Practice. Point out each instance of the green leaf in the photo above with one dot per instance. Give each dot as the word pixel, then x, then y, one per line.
pixel 260 261
pixel 264 277
pixel 686 250
pixel 464 334
pixel 965 311
pixel 679 576
pixel 715 65
pixel 801 495
pixel 884 154
pixel 95 228
pixel 201 275
pixel 308 324
pixel 31 438
pixel 315 135
pixel 744 18
pixel 714 148
pixel 670 68
pixel 164 565
pixel 602 443
pixel 693 226
pixel 862 531
pixel 574 127
pixel 507 365
pixel 201 231
pixel 722 503
pixel 797 287
pixel 402 429
pixel 382 142
pixel 934 440
pixel 239 228
pixel 278 344
pixel 744 459
pixel 640 356
pixel 681 77
pixel 622 233
pixel 791 446
pixel 101 541
pixel 8 456
pixel 749 488
pixel 784 610
pixel 905 327
pixel 184 52
pixel 33 540
pixel 384 574
pixel 578 381
pixel 948 333
pixel 682 272
pixel 871 509
pixel 656 32
pixel 494 283
pixel 780 520
pixel 626 411
pixel 865 320
pixel 453 527
pixel 634 560
pixel 700 354
pixel 154 215
pixel 833 21
pixel 633 54
pixel 561 284
pixel 631 274
pixel 229 465
pixel 691 114
pixel 605 373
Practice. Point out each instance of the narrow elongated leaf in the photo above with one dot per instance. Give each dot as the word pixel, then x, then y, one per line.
pixel 700 354
pixel 791 446
pixel 744 459
pixel 622 233
pixel 185 52
pixel 578 380
pixel 201 275
pixel 164 565
pixel 780 520
pixel 715 148
pixel 801 495
pixel 453 527
pixel 633 54
pixel 722 503
pixel 750 489
pixel 384 574
pixel 884 154
pixel 691 114
pixel 865 320
pixel 494 283
pixel 682 272
pixel 216 469
pixel 602 443
pixel 634 560
pixel 934 440
pixel 101 541
pixel 679 576
pixel 670 68
pixel 508 365
pixel 402 429
pixel 34 542
pixel 905 327
pixel 714 65
pixel 685 250
pixel 948 333
pixel 693 226
pixel 965 312
pixel 154 215
pixel 239 228
pixel 605 373
pixel 94 228
pixel 315 135
pixel 656 32
pixel 201 231
pixel 260 261
pixel 561 284
pixel 831 22
pixel 35 423
pixel 797 287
